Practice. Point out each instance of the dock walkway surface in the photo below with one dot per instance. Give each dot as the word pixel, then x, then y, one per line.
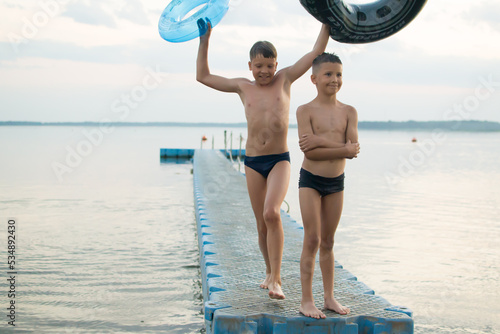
pixel 232 268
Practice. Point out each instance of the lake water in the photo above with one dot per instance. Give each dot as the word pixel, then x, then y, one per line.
pixel 106 235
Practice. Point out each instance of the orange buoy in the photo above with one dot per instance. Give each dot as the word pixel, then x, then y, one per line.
pixel 414 140
pixel 204 138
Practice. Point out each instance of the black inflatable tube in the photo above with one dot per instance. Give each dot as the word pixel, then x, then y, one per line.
pixel 364 23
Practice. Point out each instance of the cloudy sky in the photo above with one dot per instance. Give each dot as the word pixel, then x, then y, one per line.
pixel 89 60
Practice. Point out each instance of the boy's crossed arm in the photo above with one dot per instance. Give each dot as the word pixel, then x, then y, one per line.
pixel 310 141
pixel 352 127
pixel 318 148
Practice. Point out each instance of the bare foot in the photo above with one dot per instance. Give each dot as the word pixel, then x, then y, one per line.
pixel 265 284
pixel 275 291
pixel 334 305
pixel 310 310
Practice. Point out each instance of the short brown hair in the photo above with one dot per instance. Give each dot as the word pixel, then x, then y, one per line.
pixel 264 48
pixel 325 57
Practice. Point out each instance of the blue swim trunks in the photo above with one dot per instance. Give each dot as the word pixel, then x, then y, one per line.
pixel 263 164
pixel 323 185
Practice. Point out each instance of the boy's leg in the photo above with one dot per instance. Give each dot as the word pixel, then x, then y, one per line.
pixel 277 186
pixel 257 187
pixel 331 210
pixel 310 209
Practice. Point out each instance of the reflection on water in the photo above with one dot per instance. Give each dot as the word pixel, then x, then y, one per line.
pixel 110 263
pixel 113 247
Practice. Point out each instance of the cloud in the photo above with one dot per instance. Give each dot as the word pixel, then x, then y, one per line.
pixel 264 13
pixel 89 13
pixel 133 10
pixel 91 49
pixel 35 72
pixel 175 57
pixel 11 4
pixel 485 12
pixel 109 12
pixel 447 29
pixel 69 51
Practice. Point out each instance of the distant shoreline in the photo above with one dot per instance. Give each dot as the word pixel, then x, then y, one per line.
pixel 468 126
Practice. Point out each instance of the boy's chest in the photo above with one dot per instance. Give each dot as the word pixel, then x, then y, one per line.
pixel 265 98
pixel 323 123
pixel 263 102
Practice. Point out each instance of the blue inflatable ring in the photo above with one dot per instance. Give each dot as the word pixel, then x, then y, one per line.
pixel 364 23
pixel 175 27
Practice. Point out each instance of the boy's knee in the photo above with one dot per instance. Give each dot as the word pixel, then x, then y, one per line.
pixel 311 243
pixel 327 245
pixel 272 216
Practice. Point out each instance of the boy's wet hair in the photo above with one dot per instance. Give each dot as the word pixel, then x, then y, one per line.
pixel 264 48
pixel 325 57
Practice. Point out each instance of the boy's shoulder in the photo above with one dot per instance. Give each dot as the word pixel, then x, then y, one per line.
pixel 345 108
pixel 314 104
pixel 348 108
pixel 351 111
pixel 305 108
pixel 314 107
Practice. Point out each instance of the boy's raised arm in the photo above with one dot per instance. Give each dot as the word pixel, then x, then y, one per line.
pixel 303 64
pixel 203 74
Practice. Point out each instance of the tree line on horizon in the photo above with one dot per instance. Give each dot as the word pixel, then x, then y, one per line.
pixel 468 125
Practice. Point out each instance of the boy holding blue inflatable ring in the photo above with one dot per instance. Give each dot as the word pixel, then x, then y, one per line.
pixel 266 100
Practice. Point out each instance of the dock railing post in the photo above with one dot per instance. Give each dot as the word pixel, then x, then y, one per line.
pixel 239 153
pixel 231 147
pixel 241 141
pixel 225 141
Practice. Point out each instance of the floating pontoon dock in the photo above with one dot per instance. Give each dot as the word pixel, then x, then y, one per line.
pixel 232 268
pixel 188 153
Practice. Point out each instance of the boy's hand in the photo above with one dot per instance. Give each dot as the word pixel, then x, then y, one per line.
pixel 205 28
pixel 308 142
pixel 352 149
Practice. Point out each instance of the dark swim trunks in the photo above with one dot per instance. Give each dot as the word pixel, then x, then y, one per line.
pixel 324 185
pixel 263 164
